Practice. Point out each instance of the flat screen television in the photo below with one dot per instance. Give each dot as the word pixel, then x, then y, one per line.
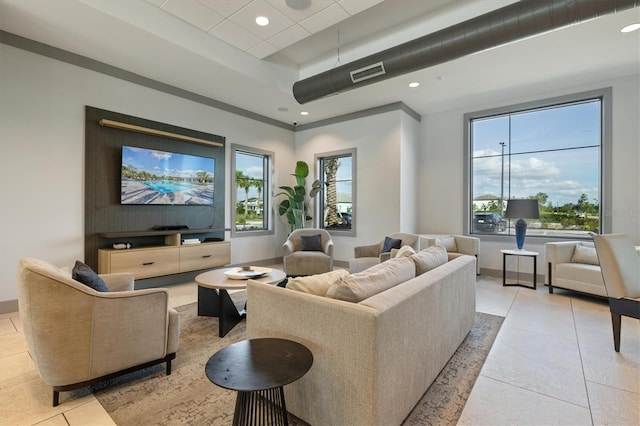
pixel 149 176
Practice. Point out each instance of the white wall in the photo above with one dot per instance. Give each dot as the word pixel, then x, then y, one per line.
pixel 42 155
pixel 442 165
pixel 382 146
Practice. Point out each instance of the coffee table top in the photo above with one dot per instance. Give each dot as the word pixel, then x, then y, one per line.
pixel 259 364
pixel 217 279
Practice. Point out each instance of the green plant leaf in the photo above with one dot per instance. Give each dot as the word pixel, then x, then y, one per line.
pixel 302 169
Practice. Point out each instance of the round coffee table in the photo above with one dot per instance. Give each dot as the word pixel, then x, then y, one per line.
pixel 214 299
pixel 258 369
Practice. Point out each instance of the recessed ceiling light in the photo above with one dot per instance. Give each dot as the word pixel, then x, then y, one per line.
pixel 630 27
pixel 304 113
pixel 414 84
pixel 263 21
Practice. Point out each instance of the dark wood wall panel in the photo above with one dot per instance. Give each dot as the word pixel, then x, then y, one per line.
pixel 103 156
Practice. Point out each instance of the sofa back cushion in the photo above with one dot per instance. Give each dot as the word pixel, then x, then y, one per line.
pixel 584 253
pixel 429 258
pixel 362 285
pixel 316 284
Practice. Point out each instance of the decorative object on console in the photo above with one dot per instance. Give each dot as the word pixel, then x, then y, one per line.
pixel 522 209
pixel 121 246
pixel 295 205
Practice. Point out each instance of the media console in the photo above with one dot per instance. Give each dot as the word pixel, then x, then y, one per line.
pixel 156 260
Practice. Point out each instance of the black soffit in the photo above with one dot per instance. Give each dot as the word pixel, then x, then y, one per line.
pixel 514 22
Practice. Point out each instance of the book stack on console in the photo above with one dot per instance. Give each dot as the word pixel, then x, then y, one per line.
pixel 190 241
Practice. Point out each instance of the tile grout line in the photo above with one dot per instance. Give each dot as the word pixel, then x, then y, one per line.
pixel 584 377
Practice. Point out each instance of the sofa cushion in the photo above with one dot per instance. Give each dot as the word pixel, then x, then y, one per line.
pixel 391 243
pixel 448 243
pixel 404 251
pixel 311 242
pixel 316 284
pixel 362 285
pixel 585 254
pixel 429 258
pixel 84 274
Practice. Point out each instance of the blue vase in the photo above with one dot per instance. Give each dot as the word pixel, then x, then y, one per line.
pixel 521 230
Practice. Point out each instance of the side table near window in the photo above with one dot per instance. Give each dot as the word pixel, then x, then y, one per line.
pixel 526 253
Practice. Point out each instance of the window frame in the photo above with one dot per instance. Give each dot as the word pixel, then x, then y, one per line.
pixel 319 202
pixel 267 198
pixel 605 181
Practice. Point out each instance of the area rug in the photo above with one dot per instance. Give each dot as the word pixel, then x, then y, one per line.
pixel 187 397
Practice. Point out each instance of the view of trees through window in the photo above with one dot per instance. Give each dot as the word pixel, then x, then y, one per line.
pixel 251 191
pixel 336 199
pixel 551 154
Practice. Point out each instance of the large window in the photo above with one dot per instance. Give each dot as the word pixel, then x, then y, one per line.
pixel 251 171
pixel 550 151
pixel 336 199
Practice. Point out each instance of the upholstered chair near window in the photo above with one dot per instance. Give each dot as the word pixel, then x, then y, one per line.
pixel 78 336
pixel 455 244
pixel 367 256
pixel 620 264
pixel 308 251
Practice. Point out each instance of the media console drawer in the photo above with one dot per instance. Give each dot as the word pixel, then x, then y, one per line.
pixel 142 263
pixel 203 256
pixel 147 262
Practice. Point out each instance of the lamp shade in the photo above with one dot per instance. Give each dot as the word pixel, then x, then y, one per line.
pixel 522 209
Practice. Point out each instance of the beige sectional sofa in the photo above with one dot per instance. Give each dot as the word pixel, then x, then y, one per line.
pixel 373 360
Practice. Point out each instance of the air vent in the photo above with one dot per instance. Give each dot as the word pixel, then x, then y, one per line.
pixel 368 72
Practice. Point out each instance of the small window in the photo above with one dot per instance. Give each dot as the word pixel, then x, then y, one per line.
pixel 250 175
pixel 336 199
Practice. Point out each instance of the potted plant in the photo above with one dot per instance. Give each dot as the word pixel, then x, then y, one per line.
pixel 296 203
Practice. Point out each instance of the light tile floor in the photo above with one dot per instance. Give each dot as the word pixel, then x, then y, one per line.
pixel 552 363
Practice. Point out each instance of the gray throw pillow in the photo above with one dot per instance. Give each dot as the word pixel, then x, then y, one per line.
pixel 311 242
pixel 391 243
pixel 87 276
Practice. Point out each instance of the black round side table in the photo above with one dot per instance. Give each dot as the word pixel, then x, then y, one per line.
pixel 258 369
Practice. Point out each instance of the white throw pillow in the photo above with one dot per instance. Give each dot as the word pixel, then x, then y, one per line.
pixel 316 284
pixel 429 258
pixel 362 285
pixel 448 243
pixel 585 254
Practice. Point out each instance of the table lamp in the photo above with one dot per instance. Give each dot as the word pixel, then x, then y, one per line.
pixel 522 209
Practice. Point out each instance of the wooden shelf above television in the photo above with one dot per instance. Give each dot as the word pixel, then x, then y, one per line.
pixel 157 232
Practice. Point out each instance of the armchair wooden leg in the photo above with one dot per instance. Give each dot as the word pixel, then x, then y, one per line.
pixel 168 367
pixel 616 320
pixel 56 398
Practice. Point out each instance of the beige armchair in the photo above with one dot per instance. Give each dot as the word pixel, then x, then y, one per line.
pixel 367 256
pixel 304 253
pixel 574 265
pixel 455 244
pixel 620 265
pixel 78 336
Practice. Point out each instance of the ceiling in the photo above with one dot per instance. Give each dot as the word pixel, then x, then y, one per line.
pixel 213 48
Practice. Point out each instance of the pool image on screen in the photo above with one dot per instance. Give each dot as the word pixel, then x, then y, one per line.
pixel 166 178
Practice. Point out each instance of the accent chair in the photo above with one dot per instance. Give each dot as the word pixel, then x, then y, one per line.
pixel 78 336
pixel 367 256
pixel 455 244
pixel 620 266
pixel 308 251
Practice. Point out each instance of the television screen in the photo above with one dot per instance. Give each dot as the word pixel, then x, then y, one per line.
pixel 150 176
